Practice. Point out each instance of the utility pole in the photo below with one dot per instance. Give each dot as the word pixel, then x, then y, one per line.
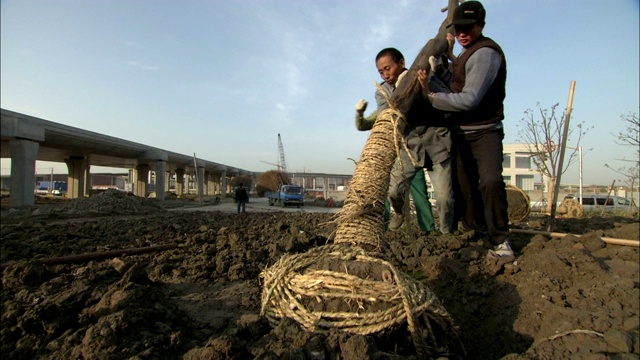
pixel 579 148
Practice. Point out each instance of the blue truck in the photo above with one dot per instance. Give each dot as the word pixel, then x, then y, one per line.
pixel 56 188
pixel 288 195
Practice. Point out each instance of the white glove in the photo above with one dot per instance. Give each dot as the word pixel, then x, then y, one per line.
pixel 361 105
pixel 400 78
pixel 438 64
pixel 433 62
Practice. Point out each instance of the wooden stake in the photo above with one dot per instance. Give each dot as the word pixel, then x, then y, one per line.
pixel 561 159
pixel 604 206
pixel 100 255
pixel 607 240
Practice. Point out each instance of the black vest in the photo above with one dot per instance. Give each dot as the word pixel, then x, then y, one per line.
pixel 491 108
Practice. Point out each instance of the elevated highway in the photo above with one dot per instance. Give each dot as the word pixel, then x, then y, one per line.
pixel 26 139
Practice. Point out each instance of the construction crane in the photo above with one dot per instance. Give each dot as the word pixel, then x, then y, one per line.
pixel 282 164
pixel 278 166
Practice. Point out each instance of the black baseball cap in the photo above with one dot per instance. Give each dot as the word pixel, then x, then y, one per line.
pixel 467 13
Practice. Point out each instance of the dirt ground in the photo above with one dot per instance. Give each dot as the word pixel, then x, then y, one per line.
pixel 199 297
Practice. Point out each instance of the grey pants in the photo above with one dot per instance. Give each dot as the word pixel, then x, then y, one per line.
pixel 441 180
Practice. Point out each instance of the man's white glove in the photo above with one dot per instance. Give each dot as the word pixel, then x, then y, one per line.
pixel 438 64
pixel 433 62
pixel 361 106
pixel 400 78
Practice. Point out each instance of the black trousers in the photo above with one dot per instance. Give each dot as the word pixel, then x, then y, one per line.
pixel 480 194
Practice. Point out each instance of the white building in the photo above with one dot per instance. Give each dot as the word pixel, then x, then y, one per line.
pixel 516 166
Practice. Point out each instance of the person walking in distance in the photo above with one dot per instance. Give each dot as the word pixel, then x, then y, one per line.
pixel 241 197
pixel 478 89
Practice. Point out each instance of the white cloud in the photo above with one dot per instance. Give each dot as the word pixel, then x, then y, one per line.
pixel 138 65
pixel 149 67
pixel 297 50
pixel 281 115
pixel 380 32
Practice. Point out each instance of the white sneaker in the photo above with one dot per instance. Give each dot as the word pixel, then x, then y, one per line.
pixel 396 222
pixel 499 257
pixel 503 250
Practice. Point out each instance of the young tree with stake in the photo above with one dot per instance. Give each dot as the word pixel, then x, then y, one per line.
pixel 542 137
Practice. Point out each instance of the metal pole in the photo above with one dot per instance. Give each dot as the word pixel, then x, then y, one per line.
pixel 579 148
pixel 580 161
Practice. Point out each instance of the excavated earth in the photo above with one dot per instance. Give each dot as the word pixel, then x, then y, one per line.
pixel 199 297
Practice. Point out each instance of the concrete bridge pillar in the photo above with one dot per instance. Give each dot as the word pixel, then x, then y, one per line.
pixel 142 179
pixel 211 183
pixel 325 187
pixel 23 172
pixel 200 177
pixel 77 168
pixel 161 169
pixel 216 183
pixel 223 185
pixel 159 159
pixel 179 182
pixel 129 185
pixel 205 183
pixel 167 180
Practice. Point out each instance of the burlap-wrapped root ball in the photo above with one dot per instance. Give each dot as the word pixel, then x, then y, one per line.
pixel 343 285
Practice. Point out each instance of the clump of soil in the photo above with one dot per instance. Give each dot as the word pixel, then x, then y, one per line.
pixel 573 297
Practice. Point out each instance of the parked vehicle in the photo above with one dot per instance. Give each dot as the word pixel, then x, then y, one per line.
pixel 41 190
pixel 288 195
pixel 599 202
pixel 57 188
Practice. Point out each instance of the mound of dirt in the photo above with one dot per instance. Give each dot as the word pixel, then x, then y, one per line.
pixel 573 297
pixel 110 202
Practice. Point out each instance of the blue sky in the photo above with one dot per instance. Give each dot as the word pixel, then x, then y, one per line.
pixel 222 78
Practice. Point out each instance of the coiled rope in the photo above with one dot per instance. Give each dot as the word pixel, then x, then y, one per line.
pixel 343 285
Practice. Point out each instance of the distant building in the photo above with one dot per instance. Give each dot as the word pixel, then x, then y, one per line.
pixel 516 166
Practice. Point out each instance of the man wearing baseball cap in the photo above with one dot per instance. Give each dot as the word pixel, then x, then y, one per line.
pixel 477 86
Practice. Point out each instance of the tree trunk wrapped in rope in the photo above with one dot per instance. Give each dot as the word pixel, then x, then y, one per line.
pixel 344 285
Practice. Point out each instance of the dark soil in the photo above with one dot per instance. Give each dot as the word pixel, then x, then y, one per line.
pixel 570 297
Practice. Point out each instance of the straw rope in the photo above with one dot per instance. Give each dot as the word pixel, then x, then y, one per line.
pixel 343 286
pixel 360 220
pixel 295 288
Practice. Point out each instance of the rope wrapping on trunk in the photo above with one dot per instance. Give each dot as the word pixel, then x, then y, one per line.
pixel 342 285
